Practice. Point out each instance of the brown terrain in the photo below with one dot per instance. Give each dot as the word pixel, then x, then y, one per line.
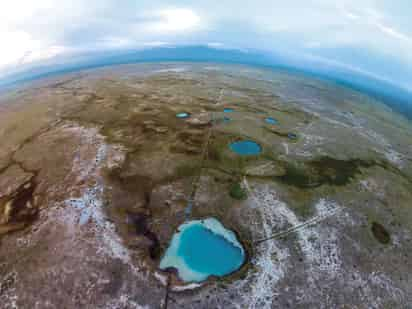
pixel 96 172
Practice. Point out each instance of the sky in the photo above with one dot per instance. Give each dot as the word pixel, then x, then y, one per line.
pixel 373 37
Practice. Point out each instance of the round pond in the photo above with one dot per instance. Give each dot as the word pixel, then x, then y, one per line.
pixel 202 248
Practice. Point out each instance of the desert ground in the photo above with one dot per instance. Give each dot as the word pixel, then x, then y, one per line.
pixel 96 173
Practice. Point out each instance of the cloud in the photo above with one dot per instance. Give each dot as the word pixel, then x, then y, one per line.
pixel 20 47
pixel 215 45
pixel 393 32
pixel 172 20
pixel 155 44
pixel 34 30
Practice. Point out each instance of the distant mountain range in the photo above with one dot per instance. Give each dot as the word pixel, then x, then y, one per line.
pixel 395 97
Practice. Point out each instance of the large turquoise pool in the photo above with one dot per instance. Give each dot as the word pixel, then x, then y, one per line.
pixel 203 248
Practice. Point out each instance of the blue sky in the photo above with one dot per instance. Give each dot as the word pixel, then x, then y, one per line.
pixel 373 37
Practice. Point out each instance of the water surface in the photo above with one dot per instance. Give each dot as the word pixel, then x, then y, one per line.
pixel 246 148
pixel 292 136
pixel 203 248
pixel 271 120
pixel 182 115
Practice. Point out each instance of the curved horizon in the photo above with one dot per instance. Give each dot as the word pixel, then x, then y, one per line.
pixel 393 95
pixel 280 130
pixel 369 37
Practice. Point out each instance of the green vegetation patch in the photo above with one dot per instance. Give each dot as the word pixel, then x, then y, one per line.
pixel 187 170
pixel 237 192
pixel 325 170
pixel 380 233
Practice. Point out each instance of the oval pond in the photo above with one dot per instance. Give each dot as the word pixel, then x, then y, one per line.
pixel 246 148
pixel 271 120
pixel 182 115
pixel 203 248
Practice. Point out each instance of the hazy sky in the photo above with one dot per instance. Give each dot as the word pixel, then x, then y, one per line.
pixel 373 36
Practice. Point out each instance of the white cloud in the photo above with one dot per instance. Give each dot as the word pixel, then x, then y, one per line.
pixel 37 29
pixel 19 47
pixel 155 44
pixel 215 44
pixel 116 42
pixel 42 54
pixel 172 20
pixel 394 33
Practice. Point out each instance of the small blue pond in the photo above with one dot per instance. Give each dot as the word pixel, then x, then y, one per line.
pixel 292 136
pixel 226 119
pixel 228 110
pixel 203 248
pixel 246 148
pixel 271 120
pixel 182 115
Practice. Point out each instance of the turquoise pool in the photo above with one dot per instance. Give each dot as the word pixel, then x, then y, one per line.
pixel 246 148
pixel 203 248
pixel 271 120
pixel 182 115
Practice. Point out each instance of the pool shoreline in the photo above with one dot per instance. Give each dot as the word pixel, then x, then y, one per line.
pixel 171 262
